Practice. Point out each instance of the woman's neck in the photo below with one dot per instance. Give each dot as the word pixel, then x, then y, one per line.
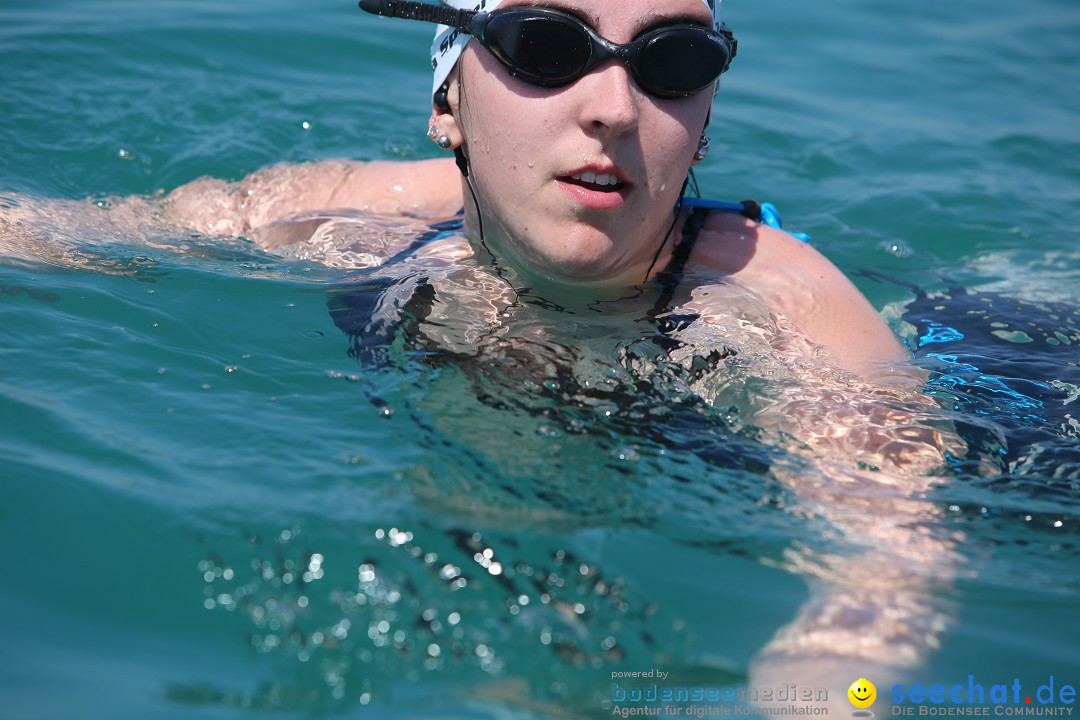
pixel 492 247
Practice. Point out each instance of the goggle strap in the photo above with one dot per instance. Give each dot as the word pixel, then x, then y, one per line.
pixel 733 43
pixel 440 14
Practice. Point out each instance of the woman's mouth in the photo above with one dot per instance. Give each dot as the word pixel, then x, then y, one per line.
pixel 595 190
pixel 602 182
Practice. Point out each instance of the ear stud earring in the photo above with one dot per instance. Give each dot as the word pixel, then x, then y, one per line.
pixel 442 140
pixel 702 148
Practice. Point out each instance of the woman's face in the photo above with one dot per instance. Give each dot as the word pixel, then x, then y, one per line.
pixel 529 147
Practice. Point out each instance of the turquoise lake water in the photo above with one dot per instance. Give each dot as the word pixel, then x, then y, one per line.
pixel 208 509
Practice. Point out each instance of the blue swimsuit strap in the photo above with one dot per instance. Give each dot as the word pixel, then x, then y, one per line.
pixel 764 213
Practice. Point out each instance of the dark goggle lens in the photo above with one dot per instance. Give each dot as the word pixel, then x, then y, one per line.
pixel 544 50
pixel 680 61
pixel 550 49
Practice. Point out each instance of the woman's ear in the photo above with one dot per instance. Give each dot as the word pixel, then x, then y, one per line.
pixel 443 128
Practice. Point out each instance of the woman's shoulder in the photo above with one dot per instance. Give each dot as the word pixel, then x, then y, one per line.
pixel 732 243
pixel 799 283
pixel 785 272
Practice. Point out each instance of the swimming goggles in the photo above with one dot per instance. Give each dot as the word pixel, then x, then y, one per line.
pixel 551 48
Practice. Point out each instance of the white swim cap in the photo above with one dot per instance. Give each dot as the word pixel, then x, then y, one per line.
pixel 448 43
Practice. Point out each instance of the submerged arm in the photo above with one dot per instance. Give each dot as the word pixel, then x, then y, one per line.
pixel 865 461
pixel 878 602
pixel 864 454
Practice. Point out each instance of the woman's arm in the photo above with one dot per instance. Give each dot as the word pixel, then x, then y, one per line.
pixel 879 585
pixel 58 231
pixel 426 189
pixel 864 457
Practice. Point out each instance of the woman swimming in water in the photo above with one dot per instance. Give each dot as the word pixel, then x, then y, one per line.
pixel 574 126
pixel 572 170
pixel 574 155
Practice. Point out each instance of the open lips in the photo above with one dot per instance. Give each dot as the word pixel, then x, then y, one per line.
pixel 603 182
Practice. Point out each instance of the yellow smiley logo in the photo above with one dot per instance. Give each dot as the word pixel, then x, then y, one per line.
pixel 862 693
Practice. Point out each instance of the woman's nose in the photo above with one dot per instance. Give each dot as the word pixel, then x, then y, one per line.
pixel 609 99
